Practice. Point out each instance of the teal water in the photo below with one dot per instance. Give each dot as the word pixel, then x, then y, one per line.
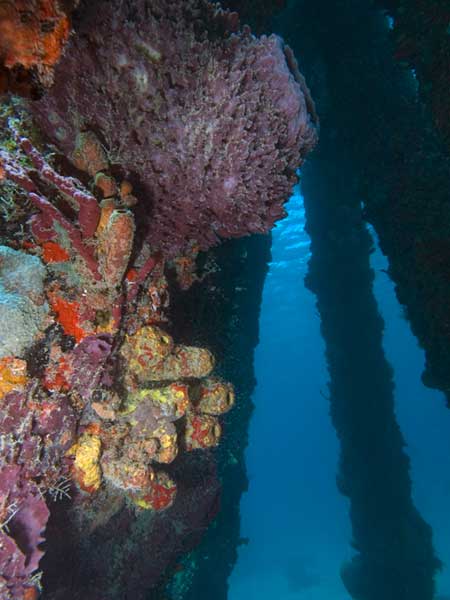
pixel 293 515
pixel 296 521
pixel 423 418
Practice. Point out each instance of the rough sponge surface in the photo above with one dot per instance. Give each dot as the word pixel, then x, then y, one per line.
pixel 211 124
pixel 23 309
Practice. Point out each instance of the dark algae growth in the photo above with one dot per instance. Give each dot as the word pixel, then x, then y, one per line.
pixel 224 300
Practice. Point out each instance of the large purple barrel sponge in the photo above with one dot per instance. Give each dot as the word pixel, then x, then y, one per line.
pixel 210 124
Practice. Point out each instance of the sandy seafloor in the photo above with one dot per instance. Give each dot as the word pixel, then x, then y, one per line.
pixel 295 520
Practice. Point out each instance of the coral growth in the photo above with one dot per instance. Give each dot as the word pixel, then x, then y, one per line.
pixel 98 240
pixel 215 396
pixel 35 432
pixel 202 431
pixel 150 425
pixel 23 309
pixel 114 399
pixel 204 145
pixel 152 356
pixel 13 375
pixel 33 34
pixel 213 125
pixel 86 467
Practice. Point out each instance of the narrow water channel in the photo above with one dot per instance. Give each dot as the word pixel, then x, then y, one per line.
pixel 293 516
pixel 423 417
pixel 295 524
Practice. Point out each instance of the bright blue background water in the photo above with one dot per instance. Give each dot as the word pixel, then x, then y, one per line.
pixel 293 515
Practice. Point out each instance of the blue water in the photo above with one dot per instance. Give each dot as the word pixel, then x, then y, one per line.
pixel 423 417
pixel 293 515
pixel 295 520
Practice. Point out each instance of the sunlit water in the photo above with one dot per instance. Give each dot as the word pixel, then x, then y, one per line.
pixel 295 520
pixel 293 515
